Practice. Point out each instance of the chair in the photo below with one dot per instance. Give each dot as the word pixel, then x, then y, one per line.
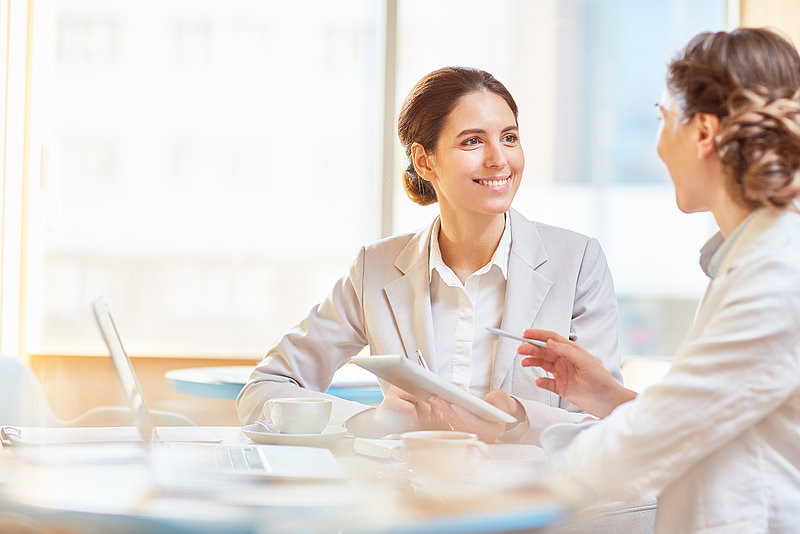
pixel 23 403
pixel 611 518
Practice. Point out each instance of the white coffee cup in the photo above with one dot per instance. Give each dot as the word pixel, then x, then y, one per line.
pixel 298 415
pixel 443 454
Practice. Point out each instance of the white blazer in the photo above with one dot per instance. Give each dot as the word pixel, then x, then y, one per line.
pixel 718 439
pixel 557 279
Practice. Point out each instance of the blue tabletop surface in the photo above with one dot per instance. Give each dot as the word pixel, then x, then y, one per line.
pixel 227 382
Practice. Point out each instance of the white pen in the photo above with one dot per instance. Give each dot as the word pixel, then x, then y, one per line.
pixel 518 338
pixel 421 360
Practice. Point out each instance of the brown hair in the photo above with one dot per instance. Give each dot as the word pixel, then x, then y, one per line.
pixel 750 79
pixel 425 109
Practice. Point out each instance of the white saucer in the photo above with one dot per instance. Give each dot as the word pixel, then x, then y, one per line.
pixel 258 434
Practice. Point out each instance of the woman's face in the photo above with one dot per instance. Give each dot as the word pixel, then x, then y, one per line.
pixel 478 162
pixel 677 148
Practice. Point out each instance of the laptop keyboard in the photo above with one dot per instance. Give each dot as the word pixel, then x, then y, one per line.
pixel 217 458
pixel 237 459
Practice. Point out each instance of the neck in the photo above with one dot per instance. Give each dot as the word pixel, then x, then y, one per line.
pixel 468 243
pixel 728 213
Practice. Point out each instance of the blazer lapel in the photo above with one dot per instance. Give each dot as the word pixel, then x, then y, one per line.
pixel 526 290
pixel 410 300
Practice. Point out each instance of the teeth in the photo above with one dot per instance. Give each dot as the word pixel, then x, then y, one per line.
pixel 494 183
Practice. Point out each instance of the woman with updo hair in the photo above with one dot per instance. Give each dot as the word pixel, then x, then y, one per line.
pixel 431 295
pixel 717 438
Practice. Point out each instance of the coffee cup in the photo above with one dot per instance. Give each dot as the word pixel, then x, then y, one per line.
pixel 299 415
pixel 443 454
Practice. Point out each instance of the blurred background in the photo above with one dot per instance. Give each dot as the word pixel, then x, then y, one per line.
pixel 213 167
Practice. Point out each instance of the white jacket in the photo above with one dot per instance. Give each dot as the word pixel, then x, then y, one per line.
pixel 557 279
pixel 718 439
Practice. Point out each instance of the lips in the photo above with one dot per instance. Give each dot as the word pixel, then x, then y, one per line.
pixel 494 183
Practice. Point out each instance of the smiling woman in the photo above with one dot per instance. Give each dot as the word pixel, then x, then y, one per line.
pixel 478 264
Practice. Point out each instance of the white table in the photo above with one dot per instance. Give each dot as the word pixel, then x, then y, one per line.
pixel 115 490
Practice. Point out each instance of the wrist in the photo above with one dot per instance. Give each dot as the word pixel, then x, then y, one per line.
pixel 518 412
pixel 618 396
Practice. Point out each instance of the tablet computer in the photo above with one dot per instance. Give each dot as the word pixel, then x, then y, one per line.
pixel 423 384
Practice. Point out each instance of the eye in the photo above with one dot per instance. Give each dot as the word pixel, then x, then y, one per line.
pixel 472 141
pixel 510 138
pixel 658 112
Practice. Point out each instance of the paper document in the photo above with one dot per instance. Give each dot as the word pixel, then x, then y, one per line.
pixel 184 434
pixel 34 435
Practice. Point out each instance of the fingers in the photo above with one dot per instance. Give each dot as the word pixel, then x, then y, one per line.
pixel 400 402
pixel 546 383
pixel 543 335
pixel 532 361
pixel 454 415
pixel 500 399
pixel 462 420
pixel 423 409
pixel 572 353
pixel 565 351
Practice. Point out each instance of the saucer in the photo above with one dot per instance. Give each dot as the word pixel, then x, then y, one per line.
pixel 258 434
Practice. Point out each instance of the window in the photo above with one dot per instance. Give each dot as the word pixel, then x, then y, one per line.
pixel 212 168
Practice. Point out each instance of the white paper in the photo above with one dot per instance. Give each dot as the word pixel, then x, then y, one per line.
pixel 184 434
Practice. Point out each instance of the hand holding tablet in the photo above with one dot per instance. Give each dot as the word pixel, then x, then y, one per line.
pixel 423 384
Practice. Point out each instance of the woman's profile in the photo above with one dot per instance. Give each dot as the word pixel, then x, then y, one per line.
pixel 717 438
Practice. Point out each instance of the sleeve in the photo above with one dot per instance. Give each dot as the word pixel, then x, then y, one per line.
pixel 726 379
pixel 595 326
pixel 303 362
pixel 595 322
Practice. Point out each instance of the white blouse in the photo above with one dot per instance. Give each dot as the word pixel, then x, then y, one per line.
pixel 465 350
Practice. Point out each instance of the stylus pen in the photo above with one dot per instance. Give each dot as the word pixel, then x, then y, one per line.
pixel 421 360
pixel 518 338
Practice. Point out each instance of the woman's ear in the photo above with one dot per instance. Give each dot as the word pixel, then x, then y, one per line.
pixel 707 125
pixel 422 162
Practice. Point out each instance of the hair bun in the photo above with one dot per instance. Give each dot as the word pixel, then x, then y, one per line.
pixel 417 188
pixel 759 141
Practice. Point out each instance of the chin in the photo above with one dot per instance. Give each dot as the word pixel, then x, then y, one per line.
pixel 688 208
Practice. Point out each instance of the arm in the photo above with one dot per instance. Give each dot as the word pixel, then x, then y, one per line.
pixel 577 376
pixel 732 380
pixel 303 362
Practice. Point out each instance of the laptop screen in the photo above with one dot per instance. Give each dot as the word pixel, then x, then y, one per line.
pixel 124 367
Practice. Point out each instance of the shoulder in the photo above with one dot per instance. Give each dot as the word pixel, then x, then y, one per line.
pixel 547 232
pixel 764 265
pixel 401 250
pixel 555 242
pixel 389 246
pixel 772 239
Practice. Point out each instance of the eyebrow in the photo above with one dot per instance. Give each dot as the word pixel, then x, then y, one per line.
pixel 480 131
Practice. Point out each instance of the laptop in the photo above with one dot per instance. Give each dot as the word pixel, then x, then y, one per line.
pixel 260 461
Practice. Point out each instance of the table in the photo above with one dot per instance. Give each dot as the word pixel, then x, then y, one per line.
pixel 349 382
pixel 116 490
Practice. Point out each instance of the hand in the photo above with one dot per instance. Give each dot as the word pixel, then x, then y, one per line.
pixel 401 411
pixel 578 376
pixel 489 431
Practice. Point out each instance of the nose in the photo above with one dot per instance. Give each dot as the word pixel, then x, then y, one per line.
pixel 495 155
